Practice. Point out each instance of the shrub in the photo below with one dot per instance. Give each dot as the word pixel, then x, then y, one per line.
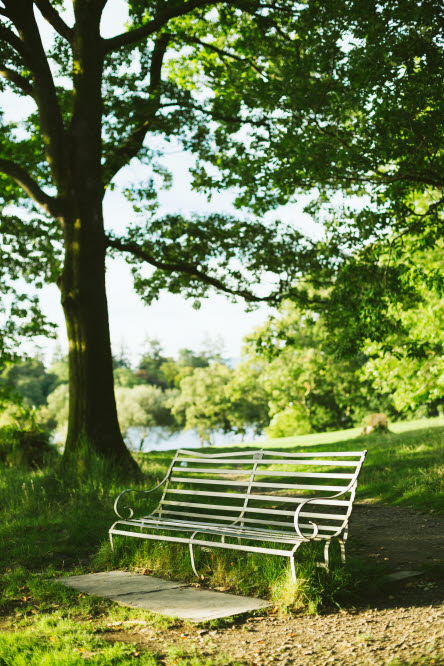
pixel 25 448
pixel 293 420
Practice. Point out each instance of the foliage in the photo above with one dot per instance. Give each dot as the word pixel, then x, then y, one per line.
pixel 125 378
pixel 27 448
pixel 293 420
pixel 143 407
pixel 29 379
pixel 203 403
pixel 308 387
pixel 217 398
pixel 159 370
pixel 410 365
pixel 60 368
pixel 370 165
pixel 273 99
pixel 150 367
pixel 248 398
pixel 55 414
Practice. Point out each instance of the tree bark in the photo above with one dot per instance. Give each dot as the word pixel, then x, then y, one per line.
pixel 93 426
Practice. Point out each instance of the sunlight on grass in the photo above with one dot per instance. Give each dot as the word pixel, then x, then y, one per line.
pixel 49 518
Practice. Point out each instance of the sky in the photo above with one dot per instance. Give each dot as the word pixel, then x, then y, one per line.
pixel 172 319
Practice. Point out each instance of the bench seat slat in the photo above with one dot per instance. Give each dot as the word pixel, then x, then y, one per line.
pixel 201 542
pixel 228 530
pixel 256 484
pixel 216 530
pixel 356 454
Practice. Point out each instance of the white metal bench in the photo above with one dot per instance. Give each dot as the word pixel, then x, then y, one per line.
pixel 279 499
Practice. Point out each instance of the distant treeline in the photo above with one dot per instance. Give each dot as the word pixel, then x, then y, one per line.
pixel 288 382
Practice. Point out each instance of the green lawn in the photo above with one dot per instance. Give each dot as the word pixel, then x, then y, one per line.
pixel 405 466
pixel 51 524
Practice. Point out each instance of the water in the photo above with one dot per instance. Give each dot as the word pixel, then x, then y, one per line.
pixel 159 440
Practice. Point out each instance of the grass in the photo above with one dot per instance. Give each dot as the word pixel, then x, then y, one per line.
pixel 51 523
pixel 403 467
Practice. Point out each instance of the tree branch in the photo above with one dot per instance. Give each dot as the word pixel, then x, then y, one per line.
pixel 17 79
pixel 224 54
pixel 49 12
pixel 22 15
pixel 9 36
pixel 134 142
pixel 188 269
pixel 153 26
pixel 274 298
pixel 27 183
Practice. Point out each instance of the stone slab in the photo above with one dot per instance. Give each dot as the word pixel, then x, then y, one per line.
pixel 403 575
pixel 113 584
pixel 163 596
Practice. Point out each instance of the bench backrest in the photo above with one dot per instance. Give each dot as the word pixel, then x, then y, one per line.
pixel 262 489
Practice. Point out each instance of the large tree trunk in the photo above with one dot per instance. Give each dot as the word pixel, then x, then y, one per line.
pixel 93 426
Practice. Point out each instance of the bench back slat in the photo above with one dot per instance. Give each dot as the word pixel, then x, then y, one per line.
pixel 249 461
pixel 235 472
pixel 258 511
pixel 258 485
pixel 278 523
pixel 264 498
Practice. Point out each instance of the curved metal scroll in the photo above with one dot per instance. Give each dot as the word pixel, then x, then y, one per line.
pixel 296 521
pixel 351 487
pixel 133 490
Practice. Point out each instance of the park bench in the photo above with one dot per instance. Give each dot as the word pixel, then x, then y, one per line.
pixel 235 500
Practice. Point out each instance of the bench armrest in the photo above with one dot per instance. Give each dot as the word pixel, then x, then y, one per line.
pixel 133 490
pixel 315 526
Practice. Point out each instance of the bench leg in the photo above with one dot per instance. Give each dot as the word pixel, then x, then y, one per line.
pixel 111 541
pixel 193 566
pixel 326 562
pixel 326 556
pixel 190 545
pixel 292 566
pixel 342 547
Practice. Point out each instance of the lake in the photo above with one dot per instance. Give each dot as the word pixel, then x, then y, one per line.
pixel 159 440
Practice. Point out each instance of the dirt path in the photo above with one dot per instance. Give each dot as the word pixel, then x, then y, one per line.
pixel 404 538
pixel 407 624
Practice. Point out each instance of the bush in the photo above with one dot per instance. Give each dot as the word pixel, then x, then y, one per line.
pixel 25 448
pixel 293 420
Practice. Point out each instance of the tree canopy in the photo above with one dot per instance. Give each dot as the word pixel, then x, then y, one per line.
pixel 274 100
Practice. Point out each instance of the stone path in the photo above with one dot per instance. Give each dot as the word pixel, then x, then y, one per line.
pixel 163 596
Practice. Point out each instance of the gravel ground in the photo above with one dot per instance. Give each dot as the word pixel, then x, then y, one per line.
pixel 405 625
pixel 408 631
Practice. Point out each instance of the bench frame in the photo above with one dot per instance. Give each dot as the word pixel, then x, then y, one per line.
pixel 236 529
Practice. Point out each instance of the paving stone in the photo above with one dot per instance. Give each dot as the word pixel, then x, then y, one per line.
pixel 402 575
pixel 111 584
pixel 162 596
